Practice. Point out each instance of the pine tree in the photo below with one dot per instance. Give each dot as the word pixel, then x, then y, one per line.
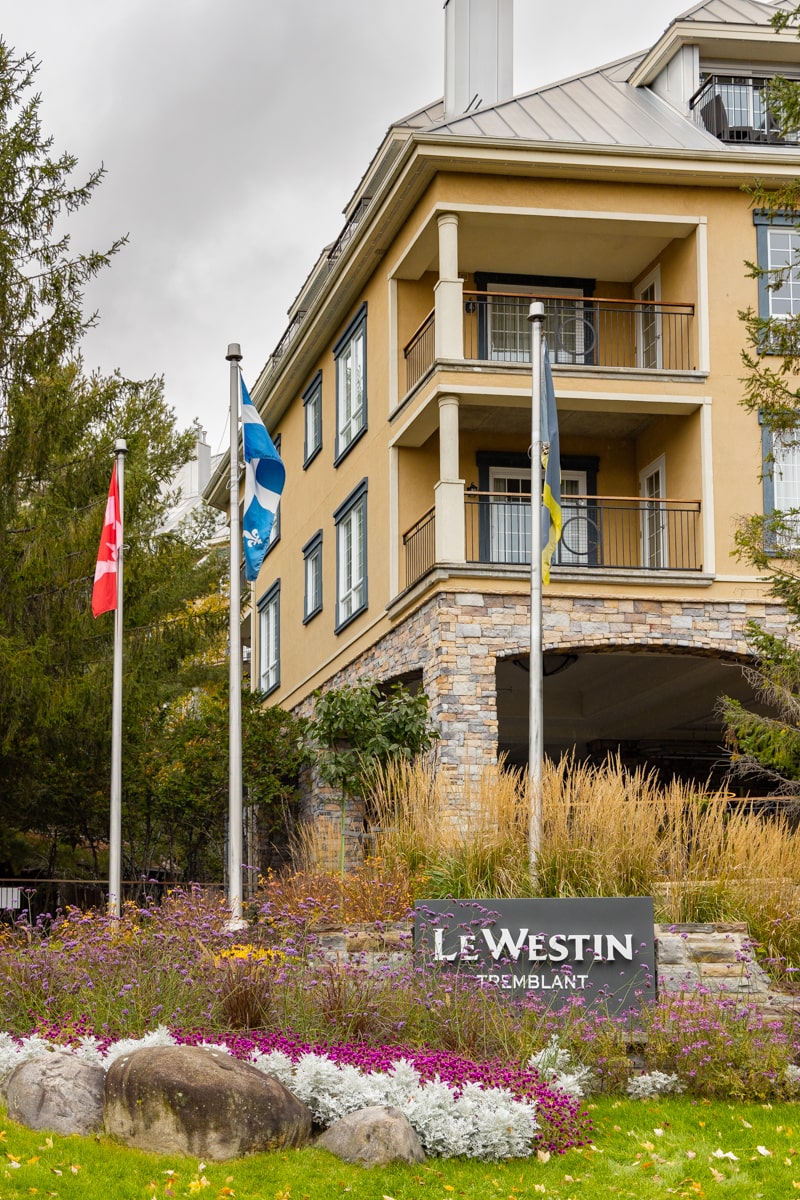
pixel 57 432
pixel 767 746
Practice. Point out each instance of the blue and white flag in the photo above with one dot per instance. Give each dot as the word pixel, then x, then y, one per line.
pixel 264 476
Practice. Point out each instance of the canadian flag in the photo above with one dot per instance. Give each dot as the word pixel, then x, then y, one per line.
pixel 104 593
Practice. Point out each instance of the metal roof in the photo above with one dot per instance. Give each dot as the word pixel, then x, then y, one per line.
pixel 735 12
pixel 598 107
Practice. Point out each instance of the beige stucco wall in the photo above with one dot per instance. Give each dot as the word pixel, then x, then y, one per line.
pixel 312 652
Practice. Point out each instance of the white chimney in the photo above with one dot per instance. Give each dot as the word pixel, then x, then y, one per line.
pixel 478 54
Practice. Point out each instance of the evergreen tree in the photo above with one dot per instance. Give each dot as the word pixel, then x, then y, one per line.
pixel 57 431
pixel 768 746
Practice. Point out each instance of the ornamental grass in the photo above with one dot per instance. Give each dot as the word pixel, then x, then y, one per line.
pixel 606 831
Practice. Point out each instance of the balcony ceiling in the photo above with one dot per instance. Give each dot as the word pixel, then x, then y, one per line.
pixel 620 697
pixel 614 249
pixel 613 425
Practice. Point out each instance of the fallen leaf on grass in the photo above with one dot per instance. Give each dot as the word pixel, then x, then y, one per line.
pixel 764 1152
pixel 543 1156
pixel 717 1176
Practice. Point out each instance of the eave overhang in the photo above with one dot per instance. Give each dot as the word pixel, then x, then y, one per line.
pixel 761 42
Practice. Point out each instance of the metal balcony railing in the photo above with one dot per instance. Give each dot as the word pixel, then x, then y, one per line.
pixel 580 331
pixel 419 353
pixel 419 544
pixel 736 108
pixel 608 533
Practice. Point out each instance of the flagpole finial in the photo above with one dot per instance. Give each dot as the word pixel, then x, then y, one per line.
pixel 536 311
pixel 120 446
pixel 234 352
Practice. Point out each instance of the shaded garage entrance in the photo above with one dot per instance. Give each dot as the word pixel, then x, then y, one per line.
pixel 656 709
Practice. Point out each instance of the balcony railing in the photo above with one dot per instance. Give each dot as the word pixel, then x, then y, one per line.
pixel 580 331
pixel 600 533
pixel 736 109
pixel 419 543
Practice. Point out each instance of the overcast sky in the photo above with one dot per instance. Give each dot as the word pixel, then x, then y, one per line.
pixel 233 133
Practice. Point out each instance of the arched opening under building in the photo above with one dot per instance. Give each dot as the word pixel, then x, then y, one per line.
pixel 657 710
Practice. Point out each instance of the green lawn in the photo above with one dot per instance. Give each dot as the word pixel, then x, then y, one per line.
pixel 642 1149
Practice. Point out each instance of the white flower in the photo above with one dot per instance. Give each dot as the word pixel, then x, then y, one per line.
pixel 159 1037
pixel 654 1083
pixel 556 1067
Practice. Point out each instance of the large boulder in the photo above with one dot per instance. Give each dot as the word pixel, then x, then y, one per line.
pixel 201 1102
pixel 374 1137
pixel 58 1092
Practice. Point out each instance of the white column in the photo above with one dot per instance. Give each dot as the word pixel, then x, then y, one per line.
pixel 449 491
pixel 707 477
pixel 394 519
pixel 449 293
pixel 703 331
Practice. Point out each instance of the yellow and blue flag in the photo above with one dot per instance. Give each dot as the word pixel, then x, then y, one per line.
pixel 551 461
pixel 264 476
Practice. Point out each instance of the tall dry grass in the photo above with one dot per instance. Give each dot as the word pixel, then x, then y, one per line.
pixel 453 838
pixel 606 831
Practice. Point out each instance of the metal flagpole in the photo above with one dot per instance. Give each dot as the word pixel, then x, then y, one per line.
pixel 535 705
pixel 235 852
pixel 115 831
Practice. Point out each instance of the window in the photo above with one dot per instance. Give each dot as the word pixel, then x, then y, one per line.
pixel 504 331
pixel 504 514
pixel 510 511
pixel 350 353
pixel 652 489
pixel 782 485
pixel 648 322
pixel 269 639
pixel 312 409
pixel 778 246
pixel 736 108
pixel 312 570
pixel 351 556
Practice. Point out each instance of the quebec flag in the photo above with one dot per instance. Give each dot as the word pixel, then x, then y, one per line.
pixel 264 476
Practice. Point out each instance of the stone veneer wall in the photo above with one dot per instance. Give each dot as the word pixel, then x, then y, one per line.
pixel 718 959
pixel 456 638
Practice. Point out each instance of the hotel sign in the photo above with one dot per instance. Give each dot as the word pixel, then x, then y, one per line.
pixel 600 948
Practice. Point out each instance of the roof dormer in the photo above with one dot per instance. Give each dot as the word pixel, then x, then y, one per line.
pixel 714 63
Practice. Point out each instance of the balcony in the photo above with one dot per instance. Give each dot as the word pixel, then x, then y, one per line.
pixel 736 109
pixel 600 533
pixel 581 332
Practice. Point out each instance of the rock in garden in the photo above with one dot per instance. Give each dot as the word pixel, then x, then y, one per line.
pixel 201 1102
pixel 373 1137
pixel 58 1092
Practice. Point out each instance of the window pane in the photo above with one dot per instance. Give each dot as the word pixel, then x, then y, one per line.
pixel 351 408
pixel 269 645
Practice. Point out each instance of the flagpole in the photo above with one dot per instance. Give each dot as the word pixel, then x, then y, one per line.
pixel 535 704
pixel 115 831
pixel 235 852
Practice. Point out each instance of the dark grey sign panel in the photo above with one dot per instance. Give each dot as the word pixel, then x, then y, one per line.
pixel 600 949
